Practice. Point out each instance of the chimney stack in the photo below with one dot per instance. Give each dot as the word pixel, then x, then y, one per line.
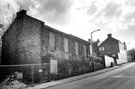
pixel 21 13
pixel 110 35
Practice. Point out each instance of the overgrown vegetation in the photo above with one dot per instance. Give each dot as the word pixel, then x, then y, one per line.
pixel 67 68
pixel 131 55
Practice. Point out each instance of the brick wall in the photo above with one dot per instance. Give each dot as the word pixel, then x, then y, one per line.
pixel 8 44
pixel 109 46
pixel 21 42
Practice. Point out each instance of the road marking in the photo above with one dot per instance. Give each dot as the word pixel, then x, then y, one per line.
pixel 122 76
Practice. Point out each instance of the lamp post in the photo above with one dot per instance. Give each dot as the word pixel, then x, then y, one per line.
pixel 92 48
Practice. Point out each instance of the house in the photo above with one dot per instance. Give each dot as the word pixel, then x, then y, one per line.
pixel 114 48
pixel 29 40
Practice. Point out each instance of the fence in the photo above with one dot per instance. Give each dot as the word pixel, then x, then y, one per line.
pixel 32 73
pixel 35 73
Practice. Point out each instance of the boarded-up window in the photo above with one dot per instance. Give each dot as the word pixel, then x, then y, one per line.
pixel 85 51
pixel 76 48
pixel 52 41
pixel 66 45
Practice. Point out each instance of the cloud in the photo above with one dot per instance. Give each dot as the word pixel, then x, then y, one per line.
pixel 53 11
pixel 112 9
pixel 112 15
pixel 109 10
pixel 92 9
pixel 50 11
pixel 132 27
pixel 26 4
pixel 130 17
pixel 130 2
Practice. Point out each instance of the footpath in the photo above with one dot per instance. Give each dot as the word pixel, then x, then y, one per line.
pixel 75 78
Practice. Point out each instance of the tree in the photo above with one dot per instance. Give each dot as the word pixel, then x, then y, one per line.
pixel 131 55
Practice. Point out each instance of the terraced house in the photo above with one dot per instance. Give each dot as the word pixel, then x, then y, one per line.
pixel 114 48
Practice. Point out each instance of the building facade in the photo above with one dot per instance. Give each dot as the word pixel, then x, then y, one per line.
pixel 114 48
pixel 28 40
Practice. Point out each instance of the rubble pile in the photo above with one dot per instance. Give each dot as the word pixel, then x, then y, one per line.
pixel 14 85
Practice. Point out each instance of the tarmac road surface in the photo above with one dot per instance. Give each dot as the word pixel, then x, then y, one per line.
pixel 120 78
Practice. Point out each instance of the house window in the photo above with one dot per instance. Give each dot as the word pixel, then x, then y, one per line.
pixel 85 51
pixel 103 48
pixel 66 45
pixel 100 49
pixel 52 41
pixel 76 48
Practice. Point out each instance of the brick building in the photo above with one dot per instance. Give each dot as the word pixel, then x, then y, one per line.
pixel 28 40
pixel 114 48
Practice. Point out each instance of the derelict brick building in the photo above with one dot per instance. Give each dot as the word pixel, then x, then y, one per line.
pixel 29 40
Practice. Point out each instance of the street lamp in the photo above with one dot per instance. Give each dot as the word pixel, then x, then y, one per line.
pixel 92 40
pixel 92 48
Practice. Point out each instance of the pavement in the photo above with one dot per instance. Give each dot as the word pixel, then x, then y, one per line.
pixel 74 78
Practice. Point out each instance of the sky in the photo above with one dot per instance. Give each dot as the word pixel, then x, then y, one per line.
pixel 78 17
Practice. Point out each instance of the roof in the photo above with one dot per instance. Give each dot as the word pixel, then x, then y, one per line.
pixel 64 34
pixel 111 38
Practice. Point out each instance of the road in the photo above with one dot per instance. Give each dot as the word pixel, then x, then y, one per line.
pixel 121 78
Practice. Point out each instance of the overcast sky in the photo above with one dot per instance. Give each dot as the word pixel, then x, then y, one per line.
pixel 79 17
